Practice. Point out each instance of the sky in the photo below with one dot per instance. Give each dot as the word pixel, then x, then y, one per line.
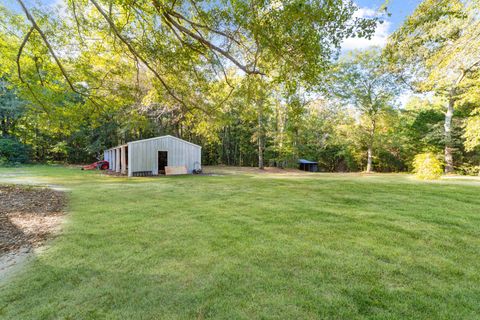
pixel 399 10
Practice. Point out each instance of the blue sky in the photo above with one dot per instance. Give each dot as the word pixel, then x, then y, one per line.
pixel 399 10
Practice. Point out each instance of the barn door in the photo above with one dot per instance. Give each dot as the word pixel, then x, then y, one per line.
pixel 162 161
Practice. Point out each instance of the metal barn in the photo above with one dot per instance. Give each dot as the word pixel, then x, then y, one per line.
pixel 151 156
pixel 307 165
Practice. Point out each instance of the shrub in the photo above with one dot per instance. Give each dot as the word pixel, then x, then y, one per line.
pixel 3 161
pixel 426 166
pixel 469 169
pixel 12 152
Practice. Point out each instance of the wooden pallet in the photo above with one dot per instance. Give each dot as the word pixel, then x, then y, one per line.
pixel 174 170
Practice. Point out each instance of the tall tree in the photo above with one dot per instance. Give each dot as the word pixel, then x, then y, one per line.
pixel 437 50
pixel 11 108
pixel 471 96
pixel 361 79
pixel 250 35
pixel 185 46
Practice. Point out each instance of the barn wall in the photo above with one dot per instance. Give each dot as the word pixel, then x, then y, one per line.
pixel 113 158
pixel 109 155
pixel 142 155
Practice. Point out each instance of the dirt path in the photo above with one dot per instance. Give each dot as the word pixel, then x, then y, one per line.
pixel 225 170
pixel 11 262
pixel 28 217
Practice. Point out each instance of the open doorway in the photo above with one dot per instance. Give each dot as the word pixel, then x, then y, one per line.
pixel 162 161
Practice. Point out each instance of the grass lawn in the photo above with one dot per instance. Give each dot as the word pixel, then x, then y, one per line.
pixel 254 246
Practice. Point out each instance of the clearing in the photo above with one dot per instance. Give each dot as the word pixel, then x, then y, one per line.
pixel 244 245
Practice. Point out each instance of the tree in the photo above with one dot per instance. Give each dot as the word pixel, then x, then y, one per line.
pixel 247 34
pixel 471 97
pixel 437 50
pixel 185 47
pixel 361 80
pixel 472 131
pixel 11 108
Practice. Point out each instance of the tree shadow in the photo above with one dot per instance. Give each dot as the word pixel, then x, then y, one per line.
pixel 11 236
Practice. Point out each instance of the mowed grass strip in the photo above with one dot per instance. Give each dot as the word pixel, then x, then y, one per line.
pixel 254 246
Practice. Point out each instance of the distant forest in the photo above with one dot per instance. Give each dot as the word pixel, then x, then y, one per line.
pixel 254 83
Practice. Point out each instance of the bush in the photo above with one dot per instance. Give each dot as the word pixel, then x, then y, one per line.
pixel 3 161
pixel 469 169
pixel 426 166
pixel 12 152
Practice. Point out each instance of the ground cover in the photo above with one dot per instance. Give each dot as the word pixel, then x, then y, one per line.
pixel 243 245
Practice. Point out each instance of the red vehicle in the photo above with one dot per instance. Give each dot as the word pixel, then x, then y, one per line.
pixel 99 165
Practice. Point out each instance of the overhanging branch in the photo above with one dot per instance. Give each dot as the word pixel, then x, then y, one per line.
pixel 49 47
pixel 19 68
pixel 139 56
pixel 20 51
pixel 52 52
pixel 168 15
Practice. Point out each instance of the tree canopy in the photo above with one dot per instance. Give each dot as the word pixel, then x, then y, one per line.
pixel 362 80
pixel 437 50
pixel 255 83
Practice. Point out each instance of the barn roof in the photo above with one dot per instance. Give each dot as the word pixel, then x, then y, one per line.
pixel 303 161
pixel 155 138
pixel 167 136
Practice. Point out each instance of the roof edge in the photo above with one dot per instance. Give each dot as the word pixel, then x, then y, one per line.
pixel 162 137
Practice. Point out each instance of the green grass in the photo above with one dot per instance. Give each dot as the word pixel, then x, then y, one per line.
pixel 254 247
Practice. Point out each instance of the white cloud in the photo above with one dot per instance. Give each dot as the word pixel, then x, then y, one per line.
pixel 379 38
pixel 403 99
pixel 364 13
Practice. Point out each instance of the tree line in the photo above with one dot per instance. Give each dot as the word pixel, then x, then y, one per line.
pixel 255 83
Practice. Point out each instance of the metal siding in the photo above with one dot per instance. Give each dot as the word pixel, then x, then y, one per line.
pixel 143 154
pixel 113 160
pixel 117 159
pixel 129 165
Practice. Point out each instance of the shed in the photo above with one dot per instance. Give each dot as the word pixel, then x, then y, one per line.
pixel 307 165
pixel 151 156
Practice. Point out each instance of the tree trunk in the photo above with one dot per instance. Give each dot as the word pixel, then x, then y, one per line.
pixel 4 127
pixel 448 136
pixel 369 159
pixel 260 156
pixel 260 137
pixel 370 146
pixel 259 103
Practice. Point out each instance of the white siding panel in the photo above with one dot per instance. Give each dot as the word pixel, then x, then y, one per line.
pixel 142 155
pixel 129 166
pixel 114 160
